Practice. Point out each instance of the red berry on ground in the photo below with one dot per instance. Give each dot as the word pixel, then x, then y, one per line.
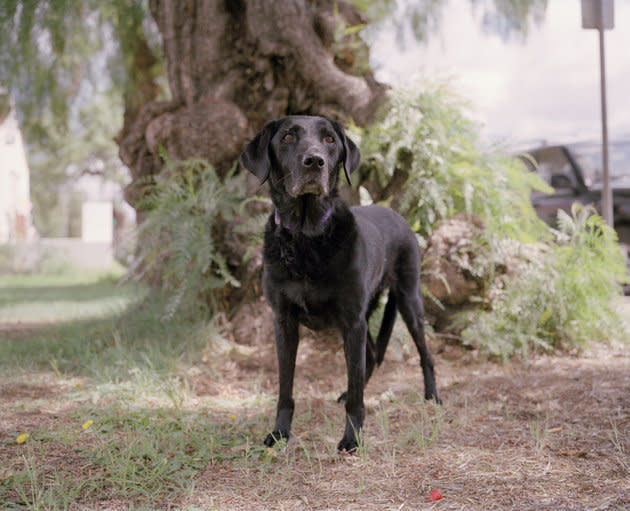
pixel 435 495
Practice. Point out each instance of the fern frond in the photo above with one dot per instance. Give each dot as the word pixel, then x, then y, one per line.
pixel 176 241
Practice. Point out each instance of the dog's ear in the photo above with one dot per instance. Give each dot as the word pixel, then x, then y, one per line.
pixel 351 154
pixel 255 158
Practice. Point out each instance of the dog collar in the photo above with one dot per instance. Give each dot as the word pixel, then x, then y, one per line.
pixel 291 228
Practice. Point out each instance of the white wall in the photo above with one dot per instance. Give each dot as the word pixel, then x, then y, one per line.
pixel 97 222
pixel 14 183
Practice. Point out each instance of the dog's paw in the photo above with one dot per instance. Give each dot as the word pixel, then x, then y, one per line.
pixel 433 396
pixel 342 398
pixel 348 445
pixel 275 437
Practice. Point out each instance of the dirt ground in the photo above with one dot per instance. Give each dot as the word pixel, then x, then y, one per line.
pixel 552 432
pixel 548 433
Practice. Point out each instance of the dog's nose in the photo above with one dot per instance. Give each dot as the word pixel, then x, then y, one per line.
pixel 311 161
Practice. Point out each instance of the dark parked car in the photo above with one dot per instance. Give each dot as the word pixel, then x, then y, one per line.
pixel 574 171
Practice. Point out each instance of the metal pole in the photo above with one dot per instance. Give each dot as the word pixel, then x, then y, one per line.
pixel 607 201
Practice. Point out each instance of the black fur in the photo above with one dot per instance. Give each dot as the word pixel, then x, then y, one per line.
pixel 326 264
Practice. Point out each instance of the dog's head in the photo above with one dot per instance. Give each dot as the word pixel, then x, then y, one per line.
pixel 301 155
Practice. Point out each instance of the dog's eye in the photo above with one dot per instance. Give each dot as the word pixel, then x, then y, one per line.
pixel 329 139
pixel 288 137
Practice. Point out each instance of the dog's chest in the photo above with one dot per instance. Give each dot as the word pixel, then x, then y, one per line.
pixel 316 303
pixel 307 294
pixel 309 273
pixel 314 297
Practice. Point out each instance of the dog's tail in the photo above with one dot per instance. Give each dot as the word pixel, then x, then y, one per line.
pixel 385 332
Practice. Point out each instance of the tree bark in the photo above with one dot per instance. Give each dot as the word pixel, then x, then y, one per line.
pixel 234 64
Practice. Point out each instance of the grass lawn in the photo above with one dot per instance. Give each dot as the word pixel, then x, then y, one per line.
pixel 104 405
pixel 58 298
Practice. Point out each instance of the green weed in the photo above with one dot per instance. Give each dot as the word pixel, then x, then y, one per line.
pixel 617 441
pixel 34 485
pixel 539 430
pixel 140 455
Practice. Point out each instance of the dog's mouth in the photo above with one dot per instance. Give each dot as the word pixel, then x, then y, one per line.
pixel 314 189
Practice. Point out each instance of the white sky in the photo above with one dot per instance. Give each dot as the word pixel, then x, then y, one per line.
pixel 546 88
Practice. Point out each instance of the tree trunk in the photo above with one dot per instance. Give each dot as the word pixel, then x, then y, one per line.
pixel 232 65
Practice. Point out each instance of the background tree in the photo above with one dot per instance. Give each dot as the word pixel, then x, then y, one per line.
pixel 66 65
pixel 198 78
pixel 233 65
pixel 86 149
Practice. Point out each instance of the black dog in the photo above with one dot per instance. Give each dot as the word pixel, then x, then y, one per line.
pixel 326 264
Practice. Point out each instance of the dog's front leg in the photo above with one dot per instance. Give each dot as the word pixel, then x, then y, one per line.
pixel 286 329
pixel 354 348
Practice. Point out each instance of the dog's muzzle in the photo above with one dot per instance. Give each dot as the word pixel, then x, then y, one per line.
pixel 312 188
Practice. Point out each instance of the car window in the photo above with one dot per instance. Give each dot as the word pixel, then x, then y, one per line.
pixel 553 161
pixel 589 159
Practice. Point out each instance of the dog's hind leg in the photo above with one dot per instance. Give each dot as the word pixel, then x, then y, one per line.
pixel 387 326
pixel 375 352
pixel 370 362
pixel 411 309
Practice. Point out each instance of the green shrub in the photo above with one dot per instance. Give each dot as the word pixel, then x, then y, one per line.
pixel 425 137
pixel 426 159
pixel 177 239
pixel 565 298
